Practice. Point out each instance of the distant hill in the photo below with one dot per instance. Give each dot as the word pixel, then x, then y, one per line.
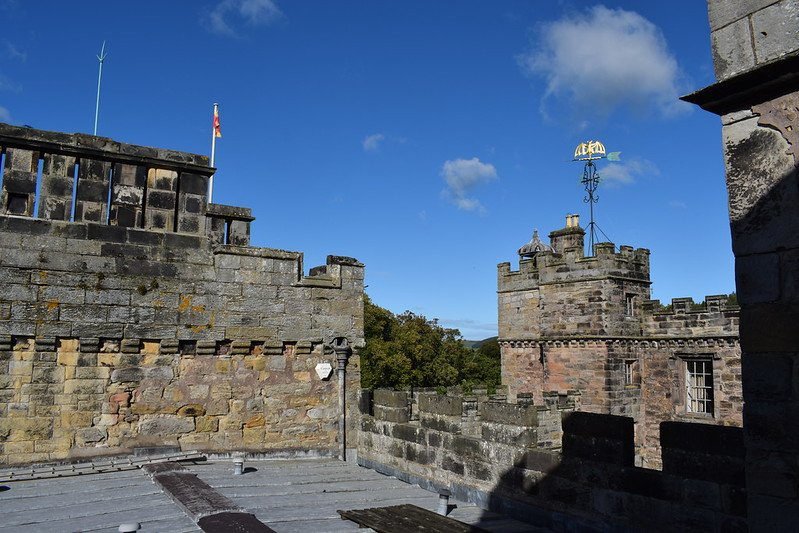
pixel 476 344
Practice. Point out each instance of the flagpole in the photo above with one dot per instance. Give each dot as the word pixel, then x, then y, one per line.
pixel 101 59
pixel 213 154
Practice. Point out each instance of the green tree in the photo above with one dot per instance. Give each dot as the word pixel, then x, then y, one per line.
pixel 408 350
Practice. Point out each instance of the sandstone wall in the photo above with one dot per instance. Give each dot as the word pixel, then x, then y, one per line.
pixel 569 295
pixel 573 323
pixel 596 368
pixel 450 445
pixel 128 333
pixel 590 485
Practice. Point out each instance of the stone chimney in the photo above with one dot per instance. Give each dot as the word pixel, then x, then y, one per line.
pixel 572 236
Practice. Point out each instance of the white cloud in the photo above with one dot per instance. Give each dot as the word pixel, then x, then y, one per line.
pixel 626 172
pixel 677 204
pixel 15 53
pixel 470 325
pixel 372 142
pixel 604 59
pixel 7 84
pixel 5 115
pixel 225 17
pixel 461 176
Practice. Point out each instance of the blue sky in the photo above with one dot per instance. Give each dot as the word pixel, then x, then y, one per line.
pixel 427 139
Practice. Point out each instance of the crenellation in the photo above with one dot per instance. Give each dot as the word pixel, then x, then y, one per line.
pixel 588 323
pixel 150 309
pixel 520 467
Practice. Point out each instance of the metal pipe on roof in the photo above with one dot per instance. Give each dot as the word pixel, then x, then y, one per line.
pixel 343 351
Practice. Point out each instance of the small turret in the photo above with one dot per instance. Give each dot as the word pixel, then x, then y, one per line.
pixel 533 247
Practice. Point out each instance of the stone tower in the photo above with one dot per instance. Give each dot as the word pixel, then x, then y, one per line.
pixel 571 323
pixel 559 308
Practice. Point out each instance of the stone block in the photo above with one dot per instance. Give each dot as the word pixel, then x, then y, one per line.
pixel 409 433
pixel 758 278
pixel 453 465
pixel 132 374
pixel 18 447
pixel 761 192
pixel 732 49
pixel 441 405
pixel 84 386
pixel 523 437
pixel 769 376
pixel 255 421
pixel 206 424
pixel 89 436
pixel 512 414
pixel 447 424
pixel 769 327
pixel 775 30
pixel 20 368
pixel 317 413
pixel 165 425
pixel 92 372
pixel 390 398
pixel 723 13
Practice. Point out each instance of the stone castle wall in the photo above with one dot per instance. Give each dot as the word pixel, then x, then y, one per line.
pixel 569 322
pixel 505 457
pixel 755 51
pixel 117 331
pixel 568 294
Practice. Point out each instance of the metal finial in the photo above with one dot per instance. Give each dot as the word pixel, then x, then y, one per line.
pixel 101 59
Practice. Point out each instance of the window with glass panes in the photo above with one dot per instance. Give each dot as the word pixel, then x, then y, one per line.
pixel 629 372
pixel 699 386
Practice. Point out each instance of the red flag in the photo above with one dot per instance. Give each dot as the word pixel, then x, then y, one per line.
pixel 217 124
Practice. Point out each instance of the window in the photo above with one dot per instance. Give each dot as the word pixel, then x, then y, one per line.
pixel 630 371
pixel 699 386
pixel 629 304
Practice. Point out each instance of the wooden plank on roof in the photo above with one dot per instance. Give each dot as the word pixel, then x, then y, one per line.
pixel 407 518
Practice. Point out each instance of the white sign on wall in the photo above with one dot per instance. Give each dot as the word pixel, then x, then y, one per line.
pixel 324 370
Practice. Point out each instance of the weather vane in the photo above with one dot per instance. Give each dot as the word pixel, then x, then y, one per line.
pixel 589 152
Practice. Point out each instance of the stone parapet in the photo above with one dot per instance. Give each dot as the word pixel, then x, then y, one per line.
pixel 592 482
pixel 714 317
pixel 124 291
pixel 84 178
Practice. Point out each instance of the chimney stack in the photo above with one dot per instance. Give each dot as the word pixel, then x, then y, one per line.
pixel 572 236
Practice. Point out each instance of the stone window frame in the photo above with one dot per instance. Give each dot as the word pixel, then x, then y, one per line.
pixel 682 383
pixel 699 386
pixel 629 304
pixel 632 373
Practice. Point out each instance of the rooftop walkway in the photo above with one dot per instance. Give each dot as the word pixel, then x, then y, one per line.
pixel 287 495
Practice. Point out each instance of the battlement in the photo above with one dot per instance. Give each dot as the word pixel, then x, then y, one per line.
pixel 714 316
pixel 572 265
pixel 685 305
pixel 83 178
pixel 485 450
pixel 146 312
pixel 559 292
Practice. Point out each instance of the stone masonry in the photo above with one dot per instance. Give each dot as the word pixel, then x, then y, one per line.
pixel 570 322
pixel 132 313
pixel 576 475
pixel 755 48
